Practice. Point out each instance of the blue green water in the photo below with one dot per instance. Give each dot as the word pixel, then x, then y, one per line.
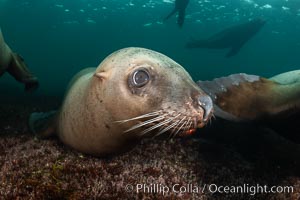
pixel 57 38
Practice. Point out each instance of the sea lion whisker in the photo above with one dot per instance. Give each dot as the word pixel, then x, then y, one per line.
pixel 190 125
pixel 168 127
pixel 175 128
pixel 146 122
pixel 169 113
pixel 188 122
pixel 179 132
pixel 180 129
pixel 156 126
pixel 141 116
pixel 186 127
pixel 174 125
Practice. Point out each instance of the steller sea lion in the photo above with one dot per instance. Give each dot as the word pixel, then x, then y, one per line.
pixel 234 37
pixel 133 93
pixel 262 112
pixel 243 97
pixel 14 64
pixel 180 6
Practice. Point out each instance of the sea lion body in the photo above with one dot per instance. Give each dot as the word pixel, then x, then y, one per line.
pixel 180 7
pixel 14 64
pixel 243 97
pixel 257 113
pixel 290 77
pixel 233 37
pixel 109 108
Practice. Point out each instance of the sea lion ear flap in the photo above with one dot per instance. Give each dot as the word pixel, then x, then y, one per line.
pixel 101 75
pixel 232 95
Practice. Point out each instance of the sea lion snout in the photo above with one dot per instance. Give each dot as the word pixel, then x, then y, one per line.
pixel 203 105
pixel 205 102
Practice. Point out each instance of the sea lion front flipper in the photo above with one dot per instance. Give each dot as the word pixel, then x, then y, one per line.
pixel 43 124
pixel 234 50
pixel 21 73
pixel 240 97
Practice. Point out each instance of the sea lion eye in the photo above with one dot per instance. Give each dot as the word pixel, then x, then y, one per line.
pixel 140 77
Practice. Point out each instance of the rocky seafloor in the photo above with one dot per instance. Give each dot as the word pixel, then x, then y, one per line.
pixel 46 169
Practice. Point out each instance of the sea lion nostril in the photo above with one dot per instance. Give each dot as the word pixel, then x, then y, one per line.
pixel 206 103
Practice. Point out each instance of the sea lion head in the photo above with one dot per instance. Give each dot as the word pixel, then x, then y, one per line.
pixel 145 91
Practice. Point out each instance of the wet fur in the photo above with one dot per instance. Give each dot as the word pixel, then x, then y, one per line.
pixel 242 97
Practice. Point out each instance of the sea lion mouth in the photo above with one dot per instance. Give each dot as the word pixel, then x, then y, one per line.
pixel 173 122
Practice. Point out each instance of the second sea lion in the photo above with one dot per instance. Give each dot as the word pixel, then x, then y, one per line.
pixel 244 97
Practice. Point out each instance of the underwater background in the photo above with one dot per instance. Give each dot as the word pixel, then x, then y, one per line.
pixel 57 38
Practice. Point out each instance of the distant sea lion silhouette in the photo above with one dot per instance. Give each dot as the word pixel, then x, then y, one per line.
pixel 180 6
pixel 234 37
pixel 132 93
pixel 14 64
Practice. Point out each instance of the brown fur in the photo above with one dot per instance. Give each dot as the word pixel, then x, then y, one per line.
pixel 260 99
